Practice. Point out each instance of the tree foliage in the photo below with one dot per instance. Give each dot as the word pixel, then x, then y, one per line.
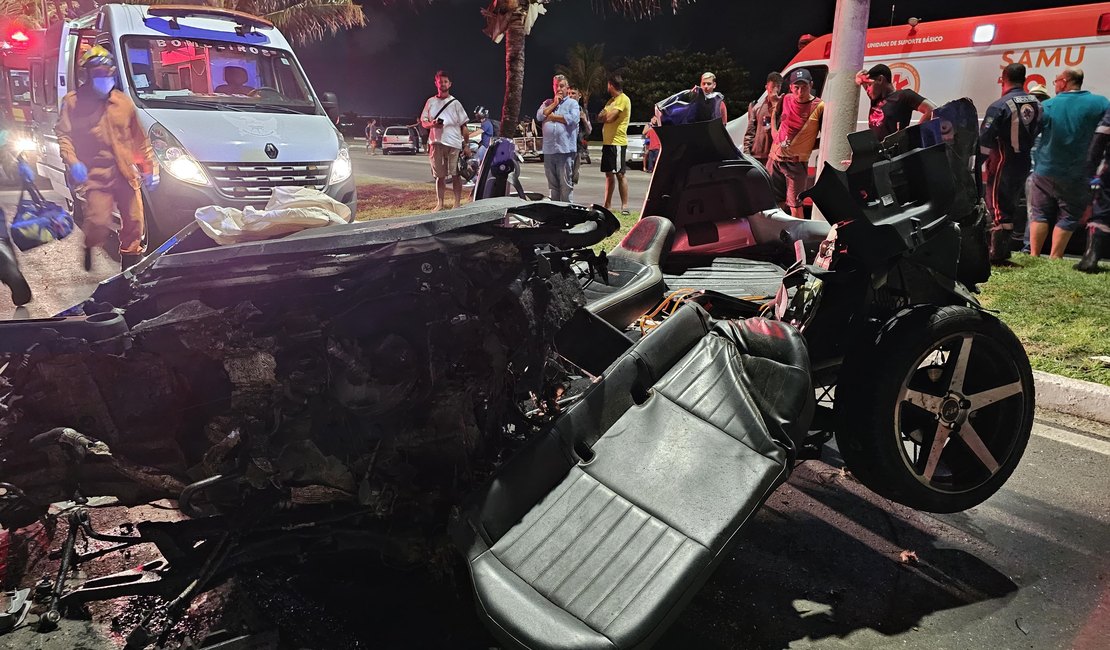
pixel 302 21
pixel 24 13
pixel 649 79
pixel 585 69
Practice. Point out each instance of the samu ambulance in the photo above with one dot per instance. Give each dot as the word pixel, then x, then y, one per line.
pixel 950 59
pixel 228 109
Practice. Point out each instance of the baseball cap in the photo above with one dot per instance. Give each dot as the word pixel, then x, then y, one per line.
pixel 880 69
pixel 801 75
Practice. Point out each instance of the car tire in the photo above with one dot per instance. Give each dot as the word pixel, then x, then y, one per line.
pixel 938 411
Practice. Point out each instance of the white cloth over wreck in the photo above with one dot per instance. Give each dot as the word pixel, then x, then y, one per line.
pixel 290 209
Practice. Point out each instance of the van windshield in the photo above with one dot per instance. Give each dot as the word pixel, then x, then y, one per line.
pixel 199 75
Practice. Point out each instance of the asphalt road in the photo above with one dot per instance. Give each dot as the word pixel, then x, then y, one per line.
pixel 414 168
pixel 821 565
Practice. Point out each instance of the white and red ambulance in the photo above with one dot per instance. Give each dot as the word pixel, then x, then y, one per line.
pixel 962 57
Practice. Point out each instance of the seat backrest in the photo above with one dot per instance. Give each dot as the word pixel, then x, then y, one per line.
pixel 538 467
pixel 719 191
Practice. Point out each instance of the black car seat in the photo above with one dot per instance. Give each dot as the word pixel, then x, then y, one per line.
pixel 597 533
pixel 635 282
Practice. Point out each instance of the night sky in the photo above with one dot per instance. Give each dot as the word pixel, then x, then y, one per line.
pixel 387 67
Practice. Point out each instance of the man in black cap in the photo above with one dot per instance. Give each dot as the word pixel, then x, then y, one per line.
pixel 1006 138
pixel 891 109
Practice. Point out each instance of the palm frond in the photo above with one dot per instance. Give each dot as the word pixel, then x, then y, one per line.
pixel 310 20
pixel 302 21
pixel 638 9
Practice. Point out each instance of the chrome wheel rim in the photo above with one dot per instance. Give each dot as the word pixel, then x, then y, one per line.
pixel 960 412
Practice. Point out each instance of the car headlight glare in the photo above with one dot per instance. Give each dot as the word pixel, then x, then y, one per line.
pixel 341 168
pixel 187 169
pixel 23 145
pixel 173 157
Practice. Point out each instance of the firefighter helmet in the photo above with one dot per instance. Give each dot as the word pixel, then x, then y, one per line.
pixel 96 56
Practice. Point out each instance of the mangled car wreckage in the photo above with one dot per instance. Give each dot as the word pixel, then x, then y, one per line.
pixel 590 436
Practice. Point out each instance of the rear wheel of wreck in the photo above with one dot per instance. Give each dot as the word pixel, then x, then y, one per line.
pixel 937 413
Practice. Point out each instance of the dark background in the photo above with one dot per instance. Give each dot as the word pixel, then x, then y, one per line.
pixel 387 67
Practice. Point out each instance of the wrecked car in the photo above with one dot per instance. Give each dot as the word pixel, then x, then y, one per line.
pixel 483 382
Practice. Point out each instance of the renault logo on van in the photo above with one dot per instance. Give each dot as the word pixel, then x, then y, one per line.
pixel 271 150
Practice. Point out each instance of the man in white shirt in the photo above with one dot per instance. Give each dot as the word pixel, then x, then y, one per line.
pixel 445 119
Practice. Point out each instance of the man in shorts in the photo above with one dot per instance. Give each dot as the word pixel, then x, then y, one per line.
pixel 1059 187
pixel 445 119
pixel 795 125
pixel 614 139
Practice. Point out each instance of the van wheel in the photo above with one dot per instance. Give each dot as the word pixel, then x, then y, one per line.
pixel 941 421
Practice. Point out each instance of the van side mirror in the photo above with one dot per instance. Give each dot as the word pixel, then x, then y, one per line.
pixel 331 104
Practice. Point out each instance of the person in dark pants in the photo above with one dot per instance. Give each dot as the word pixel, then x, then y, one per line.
pixel 1099 155
pixel 1010 126
pixel 9 265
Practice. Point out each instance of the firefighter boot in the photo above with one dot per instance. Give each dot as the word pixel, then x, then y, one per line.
pixel 127 260
pixel 1095 241
pixel 11 275
pixel 1000 244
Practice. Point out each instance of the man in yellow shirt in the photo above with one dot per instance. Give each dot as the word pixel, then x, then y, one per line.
pixel 614 132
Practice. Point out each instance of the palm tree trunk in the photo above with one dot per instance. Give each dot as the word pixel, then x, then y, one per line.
pixel 514 74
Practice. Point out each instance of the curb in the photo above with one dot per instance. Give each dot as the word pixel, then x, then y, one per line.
pixel 1076 397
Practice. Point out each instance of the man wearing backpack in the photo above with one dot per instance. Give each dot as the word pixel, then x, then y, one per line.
pixel 107 152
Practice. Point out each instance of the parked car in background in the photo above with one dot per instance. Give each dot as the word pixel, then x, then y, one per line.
pixel 636 145
pixel 401 138
pixel 352 126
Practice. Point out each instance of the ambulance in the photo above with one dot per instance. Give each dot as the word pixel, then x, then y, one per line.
pixel 17 45
pixel 962 57
pixel 228 108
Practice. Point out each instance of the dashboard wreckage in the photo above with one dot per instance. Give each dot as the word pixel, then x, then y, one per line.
pixel 586 432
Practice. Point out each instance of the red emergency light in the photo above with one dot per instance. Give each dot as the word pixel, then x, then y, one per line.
pixel 1104 24
pixel 19 37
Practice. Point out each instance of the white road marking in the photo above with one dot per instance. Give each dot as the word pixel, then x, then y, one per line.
pixel 1096 445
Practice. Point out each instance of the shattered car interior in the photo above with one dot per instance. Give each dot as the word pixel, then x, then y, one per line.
pixel 587 433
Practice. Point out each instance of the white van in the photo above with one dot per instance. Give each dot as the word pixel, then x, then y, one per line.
pixel 950 59
pixel 227 106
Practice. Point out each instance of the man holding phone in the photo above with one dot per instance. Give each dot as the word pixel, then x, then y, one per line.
pixel 445 119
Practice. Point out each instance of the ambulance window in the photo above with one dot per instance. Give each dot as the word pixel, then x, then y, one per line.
pixel 818 72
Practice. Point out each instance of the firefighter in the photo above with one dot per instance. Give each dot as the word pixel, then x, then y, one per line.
pixel 107 153
pixel 1006 138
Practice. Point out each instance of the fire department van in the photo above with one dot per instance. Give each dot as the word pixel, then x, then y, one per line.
pixel 228 109
pixel 949 59
pixel 17 46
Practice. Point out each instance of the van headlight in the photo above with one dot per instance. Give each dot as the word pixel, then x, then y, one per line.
pixel 173 158
pixel 341 168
